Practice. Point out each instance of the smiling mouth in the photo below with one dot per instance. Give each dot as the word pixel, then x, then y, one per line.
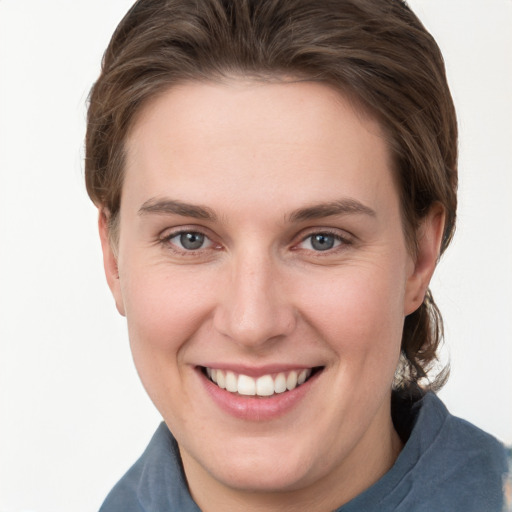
pixel 264 386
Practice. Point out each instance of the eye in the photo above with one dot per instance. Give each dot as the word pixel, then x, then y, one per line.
pixel 189 240
pixel 323 241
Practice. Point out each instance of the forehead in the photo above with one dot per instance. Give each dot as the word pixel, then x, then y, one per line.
pixel 240 137
pixel 232 104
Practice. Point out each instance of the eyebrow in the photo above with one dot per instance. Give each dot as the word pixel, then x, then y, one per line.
pixel 340 207
pixel 167 206
pixel 171 206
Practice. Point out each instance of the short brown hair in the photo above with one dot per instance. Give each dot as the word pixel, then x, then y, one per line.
pixel 374 50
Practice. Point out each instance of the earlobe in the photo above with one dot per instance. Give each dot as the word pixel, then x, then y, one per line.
pixel 429 240
pixel 110 260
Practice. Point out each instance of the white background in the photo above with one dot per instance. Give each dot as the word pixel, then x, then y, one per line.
pixel 73 415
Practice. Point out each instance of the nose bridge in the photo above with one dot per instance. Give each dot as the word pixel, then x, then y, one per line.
pixel 255 308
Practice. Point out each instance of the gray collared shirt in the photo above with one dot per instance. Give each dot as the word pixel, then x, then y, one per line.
pixel 447 464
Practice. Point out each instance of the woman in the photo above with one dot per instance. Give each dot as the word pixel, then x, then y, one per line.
pixel 276 181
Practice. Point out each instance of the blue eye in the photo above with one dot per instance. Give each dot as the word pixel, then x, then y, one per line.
pixel 190 240
pixel 321 241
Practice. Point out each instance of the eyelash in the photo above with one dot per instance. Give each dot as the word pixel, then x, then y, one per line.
pixel 342 242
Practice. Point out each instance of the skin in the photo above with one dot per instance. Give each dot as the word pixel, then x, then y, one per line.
pixel 258 293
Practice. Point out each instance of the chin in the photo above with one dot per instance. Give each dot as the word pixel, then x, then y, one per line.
pixel 266 464
pixel 264 474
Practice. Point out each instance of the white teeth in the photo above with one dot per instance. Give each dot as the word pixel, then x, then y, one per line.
pixel 300 379
pixel 280 383
pixel 221 379
pixel 231 382
pixel 291 381
pixel 246 385
pixel 266 385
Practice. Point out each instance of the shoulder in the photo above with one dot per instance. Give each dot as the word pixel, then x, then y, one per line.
pixel 155 481
pixel 461 439
pixel 458 465
pixel 123 496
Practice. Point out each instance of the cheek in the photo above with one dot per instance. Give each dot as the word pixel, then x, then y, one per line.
pixel 361 319
pixel 359 312
pixel 163 309
pixel 164 312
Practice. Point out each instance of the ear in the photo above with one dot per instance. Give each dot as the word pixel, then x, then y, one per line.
pixel 110 260
pixel 429 238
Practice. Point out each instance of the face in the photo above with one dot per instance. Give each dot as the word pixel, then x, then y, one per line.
pixel 261 250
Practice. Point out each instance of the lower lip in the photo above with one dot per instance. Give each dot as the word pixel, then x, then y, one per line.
pixel 255 408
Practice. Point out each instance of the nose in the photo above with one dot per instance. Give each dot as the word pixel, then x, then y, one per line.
pixel 254 309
